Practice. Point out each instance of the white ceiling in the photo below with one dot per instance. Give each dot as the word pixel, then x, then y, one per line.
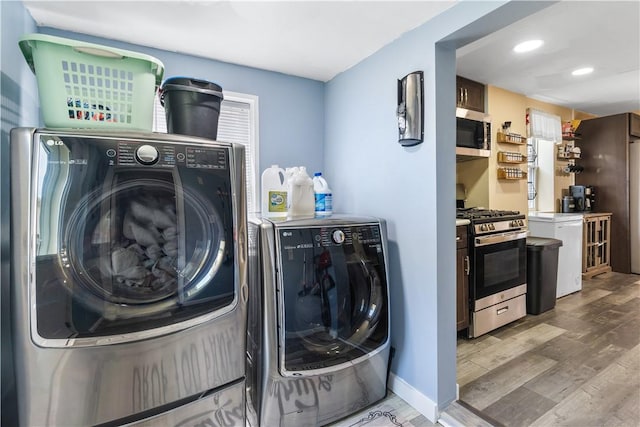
pixel 320 39
pixel 604 35
pixel 312 39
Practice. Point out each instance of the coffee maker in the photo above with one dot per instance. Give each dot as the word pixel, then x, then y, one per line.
pixel 583 197
pixel 589 198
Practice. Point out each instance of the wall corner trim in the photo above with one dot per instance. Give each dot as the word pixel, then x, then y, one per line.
pixel 414 397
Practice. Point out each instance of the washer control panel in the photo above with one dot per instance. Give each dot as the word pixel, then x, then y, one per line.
pixel 135 153
pixel 150 154
pixel 147 154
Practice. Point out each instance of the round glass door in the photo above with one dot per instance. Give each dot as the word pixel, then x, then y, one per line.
pixel 335 296
pixel 126 253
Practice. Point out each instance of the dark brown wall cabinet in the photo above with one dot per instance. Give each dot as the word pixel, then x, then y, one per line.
pixel 469 94
pixel 462 278
pixel 634 125
pixel 605 157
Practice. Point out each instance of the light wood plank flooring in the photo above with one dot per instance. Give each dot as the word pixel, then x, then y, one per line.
pixel 575 365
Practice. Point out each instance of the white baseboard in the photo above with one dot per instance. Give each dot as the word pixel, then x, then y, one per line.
pixel 413 397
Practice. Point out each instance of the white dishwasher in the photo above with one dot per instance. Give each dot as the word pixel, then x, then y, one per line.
pixel 568 228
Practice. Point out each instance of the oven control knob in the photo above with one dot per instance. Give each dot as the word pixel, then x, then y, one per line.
pixel 483 227
pixel 492 227
pixel 514 223
pixel 147 154
pixel 521 223
pixel 338 236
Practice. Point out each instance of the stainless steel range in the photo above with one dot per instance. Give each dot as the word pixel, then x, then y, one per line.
pixel 498 278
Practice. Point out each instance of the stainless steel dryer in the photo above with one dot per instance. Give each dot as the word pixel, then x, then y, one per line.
pixel 318 332
pixel 129 278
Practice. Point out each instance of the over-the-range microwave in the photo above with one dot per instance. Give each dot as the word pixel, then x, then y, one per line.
pixel 473 133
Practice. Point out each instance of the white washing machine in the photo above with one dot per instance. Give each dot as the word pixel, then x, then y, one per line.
pixel 129 278
pixel 318 334
pixel 568 228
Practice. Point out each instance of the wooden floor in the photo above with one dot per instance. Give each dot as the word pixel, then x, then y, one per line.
pixel 575 365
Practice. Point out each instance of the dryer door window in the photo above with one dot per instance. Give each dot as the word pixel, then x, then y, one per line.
pixel 125 247
pixel 334 296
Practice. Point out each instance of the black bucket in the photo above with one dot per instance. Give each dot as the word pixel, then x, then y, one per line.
pixel 191 106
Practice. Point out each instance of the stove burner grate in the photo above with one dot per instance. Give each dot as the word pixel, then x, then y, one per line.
pixel 477 214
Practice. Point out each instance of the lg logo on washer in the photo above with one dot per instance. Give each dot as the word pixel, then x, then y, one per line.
pixel 52 142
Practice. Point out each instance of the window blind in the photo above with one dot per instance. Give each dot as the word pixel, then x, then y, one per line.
pixel 238 123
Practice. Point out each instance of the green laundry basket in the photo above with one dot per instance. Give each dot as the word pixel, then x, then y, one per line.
pixel 86 85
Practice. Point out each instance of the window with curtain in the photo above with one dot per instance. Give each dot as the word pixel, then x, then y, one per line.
pixel 541 126
pixel 238 122
pixel 532 166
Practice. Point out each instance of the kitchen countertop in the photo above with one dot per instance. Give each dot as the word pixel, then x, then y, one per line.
pixel 554 216
pixel 590 214
pixel 559 217
pixel 462 222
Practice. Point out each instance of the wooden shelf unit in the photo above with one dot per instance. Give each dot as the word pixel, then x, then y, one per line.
pixel 568 156
pixel 511 138
pixel 596 244
pixel 511 157
pixel 511 173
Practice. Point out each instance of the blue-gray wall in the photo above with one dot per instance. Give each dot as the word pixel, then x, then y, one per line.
pixel 18 102
pixel 412 188
pixel 291 109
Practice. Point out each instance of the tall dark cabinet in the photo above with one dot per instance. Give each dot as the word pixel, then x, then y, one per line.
pixel 605 145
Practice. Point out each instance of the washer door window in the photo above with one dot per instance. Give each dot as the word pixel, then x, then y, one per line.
pixel 334 290
pixel 123 250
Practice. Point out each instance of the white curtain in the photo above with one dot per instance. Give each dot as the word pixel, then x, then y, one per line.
pixel 543 125
pixel 544 130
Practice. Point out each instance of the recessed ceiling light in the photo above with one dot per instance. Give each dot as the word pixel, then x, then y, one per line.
pixel 582 71
pixel 527 46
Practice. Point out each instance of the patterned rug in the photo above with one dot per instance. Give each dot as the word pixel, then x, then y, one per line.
pixel 382 415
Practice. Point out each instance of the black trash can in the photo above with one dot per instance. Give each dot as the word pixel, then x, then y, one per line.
pixel 542 273
pixel 191 106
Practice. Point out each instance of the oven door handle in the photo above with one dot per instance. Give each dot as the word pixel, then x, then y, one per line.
pixel 499 238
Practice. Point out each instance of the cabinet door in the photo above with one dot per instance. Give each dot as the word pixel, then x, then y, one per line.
pixel 462 289
pixel 469 94
pixel 634 125
pixel 462 278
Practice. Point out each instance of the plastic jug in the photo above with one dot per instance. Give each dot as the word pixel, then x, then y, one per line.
pixel 274 192
pixel 300 195
pixel 323 196
pixel 288 173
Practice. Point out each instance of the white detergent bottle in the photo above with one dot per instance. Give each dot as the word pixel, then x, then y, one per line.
pixel 300 195
pixel 274 192
pixel 323 196
pixel 288 173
